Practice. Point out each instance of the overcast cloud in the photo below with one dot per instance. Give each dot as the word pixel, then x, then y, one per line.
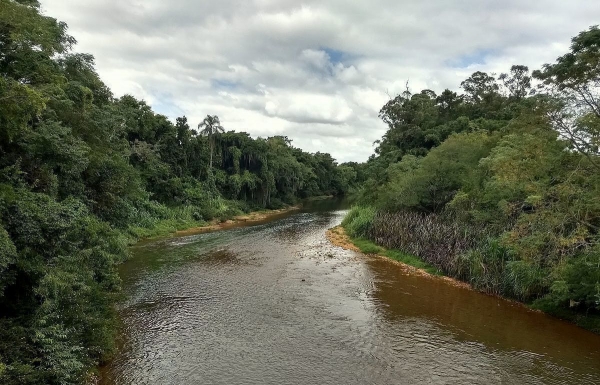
pixel 316 71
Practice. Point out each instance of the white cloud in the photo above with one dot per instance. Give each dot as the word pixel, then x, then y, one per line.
pixel 317 71
pixel 308 108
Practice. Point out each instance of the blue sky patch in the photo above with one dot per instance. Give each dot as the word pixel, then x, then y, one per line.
pixel 164 103
pixel 221 84
pixel 476 57
pixel 336 56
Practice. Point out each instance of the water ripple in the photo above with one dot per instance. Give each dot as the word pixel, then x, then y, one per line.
pixel 277 304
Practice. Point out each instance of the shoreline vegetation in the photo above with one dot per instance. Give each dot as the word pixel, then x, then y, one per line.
pixel 496 185
pixel 253 217
pixel 223 223
pixel 247 218
pixel 409 263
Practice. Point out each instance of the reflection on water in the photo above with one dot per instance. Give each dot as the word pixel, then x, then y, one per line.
pixel 277 304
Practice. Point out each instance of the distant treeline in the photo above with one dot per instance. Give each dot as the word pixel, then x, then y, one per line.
pixel 83 173
pixel 500 185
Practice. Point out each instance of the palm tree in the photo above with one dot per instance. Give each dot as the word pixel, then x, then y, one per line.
pixel 210 127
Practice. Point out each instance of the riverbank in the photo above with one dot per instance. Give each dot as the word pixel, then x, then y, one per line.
pixel 409 263
pixel 169 227
pixel 415 266
pixel 252 217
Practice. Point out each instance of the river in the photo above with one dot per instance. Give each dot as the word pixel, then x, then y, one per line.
pixel 275 303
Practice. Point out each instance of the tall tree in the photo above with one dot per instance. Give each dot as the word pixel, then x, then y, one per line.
pixel 518 82
pixel 575 81
pixel 478 86
pixel 210 127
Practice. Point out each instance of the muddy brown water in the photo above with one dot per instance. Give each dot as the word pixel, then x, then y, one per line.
pixel 275 303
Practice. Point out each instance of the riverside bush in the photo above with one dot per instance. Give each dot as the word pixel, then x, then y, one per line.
pixel 358 221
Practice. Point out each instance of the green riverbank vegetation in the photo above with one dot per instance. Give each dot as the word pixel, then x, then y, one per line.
pixel 83 173
pixel 357 223
pixel 499 185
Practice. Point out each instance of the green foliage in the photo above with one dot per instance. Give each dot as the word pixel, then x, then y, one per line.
pixel 366 246
pixel 8 255
pixel 484 266
pixel 83 173
pixel 575 291
pixel 428 184
pixel 525 280
pixel 499 186
pixel 358 221
pixel 575 80
pixel 57 298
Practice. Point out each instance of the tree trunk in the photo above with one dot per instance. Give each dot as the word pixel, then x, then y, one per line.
pixel 211 154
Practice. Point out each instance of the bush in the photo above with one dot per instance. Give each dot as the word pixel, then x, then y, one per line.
pixel 526 281
pixel 276 204
pixel 358 221
pixel 483 267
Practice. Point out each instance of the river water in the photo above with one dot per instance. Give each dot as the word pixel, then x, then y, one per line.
pixel 276 303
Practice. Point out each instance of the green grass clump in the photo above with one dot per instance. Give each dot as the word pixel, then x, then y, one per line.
pixel 366 246
pixel 369 247
pixel 162 227
pixel 358 221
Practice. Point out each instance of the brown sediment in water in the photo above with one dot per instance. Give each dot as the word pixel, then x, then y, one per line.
pixel 338 237
pixel 255 216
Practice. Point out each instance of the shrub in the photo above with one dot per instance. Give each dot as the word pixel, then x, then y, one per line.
pixel 526 281
pixel 358 221
pixel 483 266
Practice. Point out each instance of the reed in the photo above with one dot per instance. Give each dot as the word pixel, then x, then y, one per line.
pixel 428 236
pixel 471 254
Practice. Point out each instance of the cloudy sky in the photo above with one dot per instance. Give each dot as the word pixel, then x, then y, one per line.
pixel 317 71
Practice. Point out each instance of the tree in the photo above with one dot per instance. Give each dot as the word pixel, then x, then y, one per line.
pixel 210 127
pixel 479 86
pixel 410 118
pixel 448 103
pixel 518 82
pixel 574 81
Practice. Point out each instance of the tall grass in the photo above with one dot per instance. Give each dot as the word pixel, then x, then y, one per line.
pixel 483 266
pixel 358 221
pixel 155 219
pixel 427 236
pixel 473 255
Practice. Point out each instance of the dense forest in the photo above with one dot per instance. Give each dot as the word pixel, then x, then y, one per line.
pixel 499 185
pixel 84 173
